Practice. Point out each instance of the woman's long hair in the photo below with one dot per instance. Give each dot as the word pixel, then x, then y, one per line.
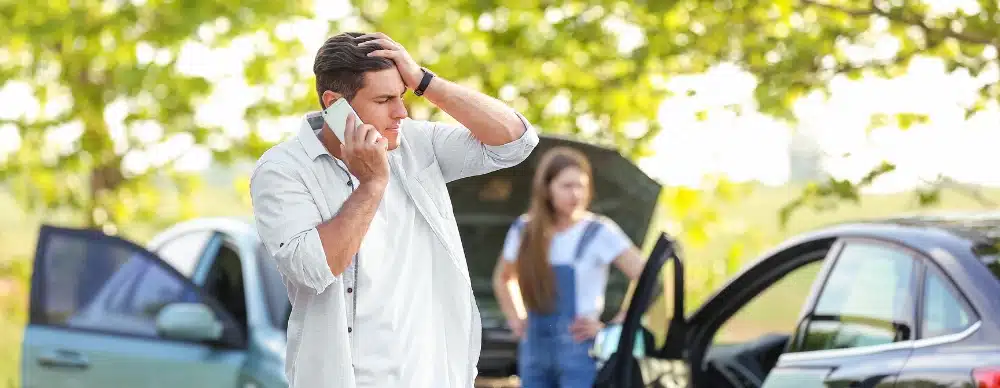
pixel 534 274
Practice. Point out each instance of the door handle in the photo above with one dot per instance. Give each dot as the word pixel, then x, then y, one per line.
pixel 62 358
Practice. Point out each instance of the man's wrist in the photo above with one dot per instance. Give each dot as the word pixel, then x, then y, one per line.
pixel 374 186
pixel 425 79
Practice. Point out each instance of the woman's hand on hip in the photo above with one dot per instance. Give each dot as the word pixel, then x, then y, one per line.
pixel 585 328
pixel 516 327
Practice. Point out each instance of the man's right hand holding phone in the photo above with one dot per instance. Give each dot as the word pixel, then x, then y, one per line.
pixel 365 152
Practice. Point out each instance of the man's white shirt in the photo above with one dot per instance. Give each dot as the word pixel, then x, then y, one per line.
pixel 403 313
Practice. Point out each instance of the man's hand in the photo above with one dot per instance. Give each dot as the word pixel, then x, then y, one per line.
pixel 407 67
pixel 364 151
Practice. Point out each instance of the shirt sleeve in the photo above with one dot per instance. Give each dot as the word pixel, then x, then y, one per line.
pixel 286 217
pixel 460 154
pixel 610 242
pixel 513 241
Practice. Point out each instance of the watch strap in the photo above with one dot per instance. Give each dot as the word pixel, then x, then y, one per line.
pixel 424 82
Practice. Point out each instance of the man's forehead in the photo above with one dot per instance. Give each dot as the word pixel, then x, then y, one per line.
pixel 383 83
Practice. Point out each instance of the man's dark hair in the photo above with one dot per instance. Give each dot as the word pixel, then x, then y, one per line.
pixel 340 65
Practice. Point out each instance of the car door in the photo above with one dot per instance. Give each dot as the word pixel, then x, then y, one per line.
pixel 99 311
pixel 859 329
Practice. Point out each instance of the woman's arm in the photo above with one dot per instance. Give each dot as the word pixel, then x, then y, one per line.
pixel 631 263
pixel 505 289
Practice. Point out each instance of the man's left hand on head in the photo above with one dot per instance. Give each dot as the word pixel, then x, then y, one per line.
pixel 408 69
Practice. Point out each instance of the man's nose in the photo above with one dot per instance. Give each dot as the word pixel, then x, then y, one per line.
pixel 399 111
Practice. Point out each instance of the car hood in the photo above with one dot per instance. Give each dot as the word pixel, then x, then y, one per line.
pixel 486 205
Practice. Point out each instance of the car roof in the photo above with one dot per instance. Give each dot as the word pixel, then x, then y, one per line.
pixel 972 227
pixel 237 227
pixel 960 233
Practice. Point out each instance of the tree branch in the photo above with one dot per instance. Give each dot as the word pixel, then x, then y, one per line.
pixel 918 21
pixel 832 7
pixel 944 182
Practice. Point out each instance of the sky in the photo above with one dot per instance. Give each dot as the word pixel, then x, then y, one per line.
pixel 744 147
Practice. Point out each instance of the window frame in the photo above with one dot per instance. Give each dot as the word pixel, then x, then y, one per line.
pixel 932 267
pixel 912 319
pixel 233 336
pixel 208 260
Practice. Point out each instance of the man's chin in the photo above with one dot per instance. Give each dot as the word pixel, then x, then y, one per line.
pixel 393 140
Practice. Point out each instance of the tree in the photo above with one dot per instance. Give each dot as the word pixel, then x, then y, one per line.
pixel 597 69
pixel 797 47
pixel 114 67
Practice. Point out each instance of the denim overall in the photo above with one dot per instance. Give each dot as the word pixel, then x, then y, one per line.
pixel 548 356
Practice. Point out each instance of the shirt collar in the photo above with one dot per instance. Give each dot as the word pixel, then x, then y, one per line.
pixel 312 122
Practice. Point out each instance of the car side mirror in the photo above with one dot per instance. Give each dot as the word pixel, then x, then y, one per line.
pixel 189 322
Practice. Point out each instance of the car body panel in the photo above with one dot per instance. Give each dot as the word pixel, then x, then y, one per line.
pixel 107 360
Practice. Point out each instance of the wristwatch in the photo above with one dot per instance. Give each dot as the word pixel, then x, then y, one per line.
pixel 424 82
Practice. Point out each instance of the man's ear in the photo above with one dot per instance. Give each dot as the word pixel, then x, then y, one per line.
pixel 329 97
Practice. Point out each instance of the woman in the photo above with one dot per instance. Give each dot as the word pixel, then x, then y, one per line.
pixel 558 254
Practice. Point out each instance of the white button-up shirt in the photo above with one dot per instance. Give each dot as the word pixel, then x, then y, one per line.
pixel 403 313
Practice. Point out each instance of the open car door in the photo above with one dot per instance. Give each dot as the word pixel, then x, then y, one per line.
pixel 634 361
pixel 105 312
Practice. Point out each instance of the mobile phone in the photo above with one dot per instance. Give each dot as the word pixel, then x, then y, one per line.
pixel 335 117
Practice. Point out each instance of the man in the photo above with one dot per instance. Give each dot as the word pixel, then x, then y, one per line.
pixel 363 232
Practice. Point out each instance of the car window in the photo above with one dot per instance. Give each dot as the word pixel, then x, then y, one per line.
pixel 866 300
pixel 774 311
pixel 944 310
pixel 183 252
pixel 105 284
pixel 224 282
pixel 274 289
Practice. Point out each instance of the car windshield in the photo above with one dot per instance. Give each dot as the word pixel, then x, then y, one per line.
pixel 278 305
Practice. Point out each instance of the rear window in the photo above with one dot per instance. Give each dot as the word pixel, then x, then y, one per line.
pixel 275 292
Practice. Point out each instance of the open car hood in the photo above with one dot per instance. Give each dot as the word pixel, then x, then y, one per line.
pixel 486 205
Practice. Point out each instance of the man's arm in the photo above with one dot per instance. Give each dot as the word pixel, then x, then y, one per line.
pixel 308 250
pixel 491 135
pixel 489 120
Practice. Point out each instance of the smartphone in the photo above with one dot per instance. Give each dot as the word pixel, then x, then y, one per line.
pixel 335 117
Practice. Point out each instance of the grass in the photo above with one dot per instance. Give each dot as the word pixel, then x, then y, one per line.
pixel 746 227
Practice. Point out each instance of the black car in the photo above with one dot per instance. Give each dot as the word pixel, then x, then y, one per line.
pixel 906 302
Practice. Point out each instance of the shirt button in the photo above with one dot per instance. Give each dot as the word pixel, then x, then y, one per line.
pixel 350 290
pixel 348 329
